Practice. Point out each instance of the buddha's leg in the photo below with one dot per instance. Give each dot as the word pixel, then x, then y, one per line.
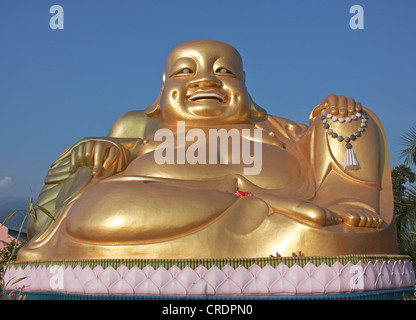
pixel 298 209
pixel 357 205
pixel 128 211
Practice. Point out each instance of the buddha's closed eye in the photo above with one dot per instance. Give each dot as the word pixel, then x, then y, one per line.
pixel 223 71
pixel 185 71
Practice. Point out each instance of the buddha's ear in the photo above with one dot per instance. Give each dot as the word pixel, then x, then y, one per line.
pixel 154 108
pixel 256 110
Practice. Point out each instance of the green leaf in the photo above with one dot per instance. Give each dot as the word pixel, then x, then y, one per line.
pixel 46 211
pixel 9 216
pixel 408 141
pixel 29 206
pixel 34 215
pixel 16 281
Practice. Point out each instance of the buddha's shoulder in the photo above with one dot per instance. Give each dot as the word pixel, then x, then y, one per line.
pixel 133 124
pixel 132 116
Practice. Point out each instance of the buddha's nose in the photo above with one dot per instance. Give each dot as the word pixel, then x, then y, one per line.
pixel 205 81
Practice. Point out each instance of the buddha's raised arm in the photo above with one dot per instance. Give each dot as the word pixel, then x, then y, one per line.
pixel 350 161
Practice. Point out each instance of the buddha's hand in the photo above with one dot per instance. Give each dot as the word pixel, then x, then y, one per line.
pixel 337 105
pixel 106 157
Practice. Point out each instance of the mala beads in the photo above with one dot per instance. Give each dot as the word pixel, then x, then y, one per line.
pixel 350 162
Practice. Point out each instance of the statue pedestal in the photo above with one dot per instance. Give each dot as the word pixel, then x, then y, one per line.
pixel 319 277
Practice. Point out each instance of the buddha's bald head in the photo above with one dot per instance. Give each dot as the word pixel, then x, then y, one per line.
pixel 204 82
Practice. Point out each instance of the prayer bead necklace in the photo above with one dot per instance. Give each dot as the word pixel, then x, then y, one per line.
pixel 350 162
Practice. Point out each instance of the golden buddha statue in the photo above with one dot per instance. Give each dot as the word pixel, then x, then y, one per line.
pixel 161 186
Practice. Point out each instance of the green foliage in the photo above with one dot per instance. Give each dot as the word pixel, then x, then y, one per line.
pixel 409 144
pixel 405 209
pixel 405 196
pixel 401 175
pixel 9 252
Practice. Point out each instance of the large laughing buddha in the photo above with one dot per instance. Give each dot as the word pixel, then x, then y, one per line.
pixel 112 199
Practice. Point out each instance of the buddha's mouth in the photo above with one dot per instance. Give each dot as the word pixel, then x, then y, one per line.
pixel 206 96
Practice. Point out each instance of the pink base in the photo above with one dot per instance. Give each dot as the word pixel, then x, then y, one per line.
pixel 310 279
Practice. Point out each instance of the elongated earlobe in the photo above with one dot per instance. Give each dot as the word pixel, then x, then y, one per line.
pixel 154 108
pixel 256 110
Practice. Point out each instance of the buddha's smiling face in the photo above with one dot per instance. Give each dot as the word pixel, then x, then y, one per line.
pixel 204 83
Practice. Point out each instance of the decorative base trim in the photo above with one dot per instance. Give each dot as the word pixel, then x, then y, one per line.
pixel 395 294
pixel 259 278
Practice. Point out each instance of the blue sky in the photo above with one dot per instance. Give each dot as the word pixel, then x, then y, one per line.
pixel 58 86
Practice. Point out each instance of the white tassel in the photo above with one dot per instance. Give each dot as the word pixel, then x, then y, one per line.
pixel 350 162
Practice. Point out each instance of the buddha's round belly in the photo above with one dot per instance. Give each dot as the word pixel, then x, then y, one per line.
pixel 274 168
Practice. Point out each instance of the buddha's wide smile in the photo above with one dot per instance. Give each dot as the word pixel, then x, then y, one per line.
pixel 207 102
pixel 210 96
pixel 206 96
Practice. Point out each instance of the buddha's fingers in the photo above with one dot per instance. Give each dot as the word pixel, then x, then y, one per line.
pixel 332 102
pixel 99 152
pixel 350 105
pixel 342 106
pixel 338 105
pixel 112 156
pixel 358 107
pixel 75 157
pixel 88 153
pixel 318 109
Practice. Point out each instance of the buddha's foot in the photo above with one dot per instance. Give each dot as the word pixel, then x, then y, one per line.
pixel 356 216
pixel 301 210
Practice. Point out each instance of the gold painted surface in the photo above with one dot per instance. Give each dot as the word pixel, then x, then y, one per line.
pixel 110 199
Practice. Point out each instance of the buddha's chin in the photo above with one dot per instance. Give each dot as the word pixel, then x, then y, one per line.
pixel 207 111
